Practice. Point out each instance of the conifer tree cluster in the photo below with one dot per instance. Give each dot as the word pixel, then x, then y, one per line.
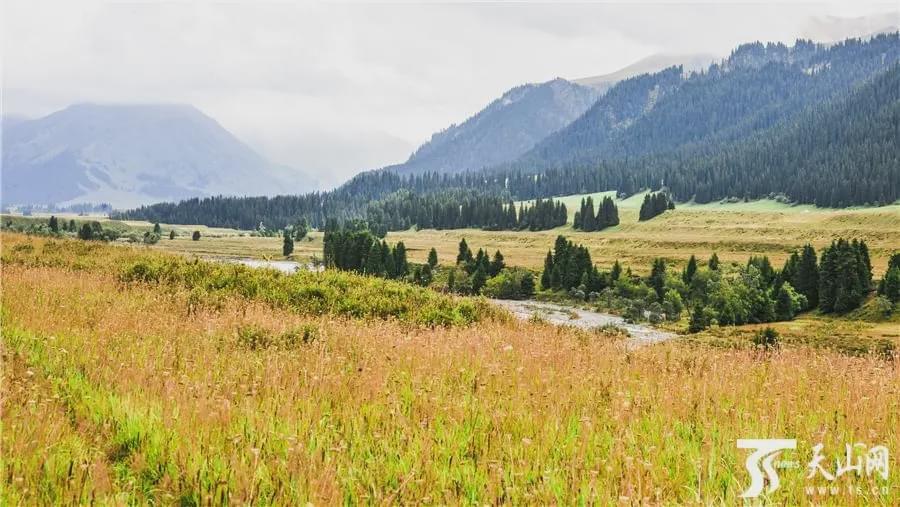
pixel 569 266
pixel 845 276
pixel 607 215
pixel 889 286
pixel 353 247
pixel 473 271
pixel 459 210
pixel 544 214
pixel 655 204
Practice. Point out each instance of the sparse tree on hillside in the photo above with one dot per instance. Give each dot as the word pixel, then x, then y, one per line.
pixel 432 258
pixel 195 236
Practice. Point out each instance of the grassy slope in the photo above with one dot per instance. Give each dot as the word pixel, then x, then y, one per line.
pixel 118 393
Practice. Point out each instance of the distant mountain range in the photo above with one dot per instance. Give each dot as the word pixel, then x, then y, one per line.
pixel 127 155
pixel 811 123
pixel 504 130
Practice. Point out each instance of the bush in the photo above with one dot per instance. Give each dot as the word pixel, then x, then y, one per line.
pixel 767 339
pixel 195 236
pixel 510 284
pixel 256 337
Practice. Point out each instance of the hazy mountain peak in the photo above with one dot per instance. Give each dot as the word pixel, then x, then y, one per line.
pixel 506 128
pixel 650 64
pixel 129 154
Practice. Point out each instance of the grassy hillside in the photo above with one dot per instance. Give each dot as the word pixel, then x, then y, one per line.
pixel 123 392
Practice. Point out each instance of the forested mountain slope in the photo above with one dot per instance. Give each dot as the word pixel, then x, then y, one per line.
pixel 755 88
pixel 504 130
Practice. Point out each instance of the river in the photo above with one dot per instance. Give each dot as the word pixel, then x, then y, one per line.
pixel 564 315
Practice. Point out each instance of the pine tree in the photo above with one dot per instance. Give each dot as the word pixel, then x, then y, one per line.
pixel 548 270
pixel 497 264
pixel 157 229
pixel 451 280
pixel 287 248
pixel 479 278
pixel 465 253
pixel 432 258
pixel 86 232
pixel 658 278
pixel 616 271
pixel 401 267
pixel 713 262
pixel 690 270
pixel 172 234
pixel 195 236
pixel 54 224
pixel 890 286
pixel 806 278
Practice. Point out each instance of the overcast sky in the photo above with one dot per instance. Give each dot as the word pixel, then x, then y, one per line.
pixel 336 88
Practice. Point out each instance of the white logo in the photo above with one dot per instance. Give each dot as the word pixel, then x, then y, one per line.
pixel 767 449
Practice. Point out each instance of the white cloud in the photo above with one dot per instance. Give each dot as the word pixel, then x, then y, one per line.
pixel 338 88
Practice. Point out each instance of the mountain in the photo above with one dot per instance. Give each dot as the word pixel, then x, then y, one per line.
pixel 128 155
pixel 505 129
pixel 653 63
pixel 755 88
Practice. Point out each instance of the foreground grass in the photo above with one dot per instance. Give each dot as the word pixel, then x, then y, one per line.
pixel 122 393
pixel 330 292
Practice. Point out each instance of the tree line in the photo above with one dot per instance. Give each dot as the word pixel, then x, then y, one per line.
pixel 655 204
pixel 607 215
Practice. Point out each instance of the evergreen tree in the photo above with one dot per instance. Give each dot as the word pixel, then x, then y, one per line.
pixel 157 229
pixel 479 278
pixel 714 262
pixel 72 227
pixel 451 280
pixel 842 277
pixel 497 264
pixel 699 319
pixel 806 277
pixel 287 247
pixel 616 271
pixel 86 232
pixel 432 258
pixel 374 264
pixel 54 224
pixel 690 270
pixel 195 236
pixel 172 234
pixel 465 253
pixel 401 266
pixel 657 279
pixel 890 286
pixel 548 269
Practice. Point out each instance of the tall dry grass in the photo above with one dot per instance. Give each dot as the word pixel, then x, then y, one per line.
pixel 121 393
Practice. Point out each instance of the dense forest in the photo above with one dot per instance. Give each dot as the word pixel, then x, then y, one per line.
pixel 817 124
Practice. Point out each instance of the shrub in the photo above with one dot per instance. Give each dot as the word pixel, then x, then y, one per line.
pixel 767 339
pixel 195 236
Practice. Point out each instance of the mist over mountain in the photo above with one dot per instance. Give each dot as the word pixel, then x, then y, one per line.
pixel 653 63
pixel 502 131
pixel 128 155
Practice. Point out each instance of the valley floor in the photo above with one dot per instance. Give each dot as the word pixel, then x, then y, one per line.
pixel 124 392
pixel 733 231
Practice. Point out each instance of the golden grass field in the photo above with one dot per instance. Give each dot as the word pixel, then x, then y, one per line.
pixel 127 393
